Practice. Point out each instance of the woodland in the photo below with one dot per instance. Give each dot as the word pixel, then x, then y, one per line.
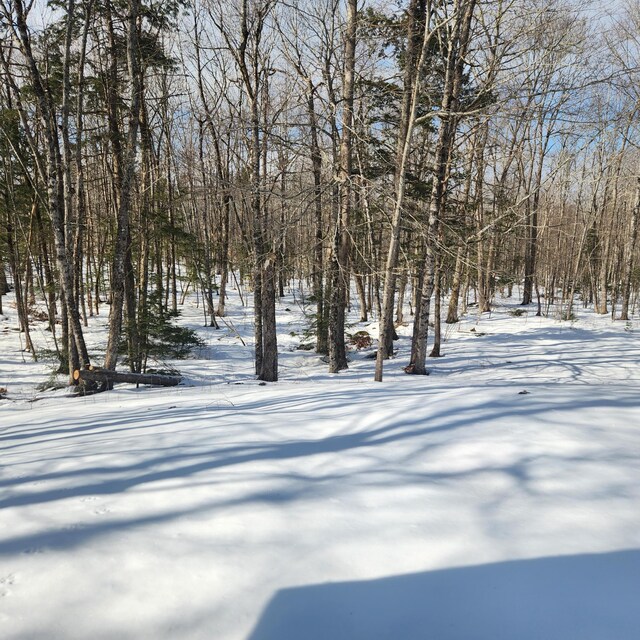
pixel 428 155
pixel 221 194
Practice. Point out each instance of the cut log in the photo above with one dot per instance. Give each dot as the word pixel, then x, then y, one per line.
pixel 109 378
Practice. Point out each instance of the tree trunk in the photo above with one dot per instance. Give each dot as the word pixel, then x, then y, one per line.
pixel 341 242
pixel 269 369
pixel 121 257
pixel 629 254
pixel 416 57
pixel 454 298
pixel 322 337
pixel 437 324
pixel 108 377
pixel 458 43
pixel 53 173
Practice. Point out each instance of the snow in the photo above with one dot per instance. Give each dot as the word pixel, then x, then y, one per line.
pixel 451 507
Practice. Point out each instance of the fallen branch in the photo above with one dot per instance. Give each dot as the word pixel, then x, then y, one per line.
pixel 108 378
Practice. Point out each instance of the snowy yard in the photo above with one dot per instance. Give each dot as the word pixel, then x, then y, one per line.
pixel 447 507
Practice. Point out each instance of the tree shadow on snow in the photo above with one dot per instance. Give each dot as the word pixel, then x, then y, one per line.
pixel 581 597
pixel 573 354
pixel 196 457
pixel 155 464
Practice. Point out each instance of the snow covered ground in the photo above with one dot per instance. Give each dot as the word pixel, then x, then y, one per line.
pixel 447 507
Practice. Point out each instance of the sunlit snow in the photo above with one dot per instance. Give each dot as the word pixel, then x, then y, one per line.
pixel 447 507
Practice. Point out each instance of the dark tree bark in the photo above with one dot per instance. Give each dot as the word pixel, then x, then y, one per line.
pixel 454 297
pixel 455 61
pixel 53 173
pixel 417 48
pixel 339 268
pixel 108 377
pixel 629 254
pixel 322 337
pixel 269 370
pixel 122 257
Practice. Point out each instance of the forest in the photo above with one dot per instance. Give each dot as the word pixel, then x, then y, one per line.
pixel 429 154
pixel 253 213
